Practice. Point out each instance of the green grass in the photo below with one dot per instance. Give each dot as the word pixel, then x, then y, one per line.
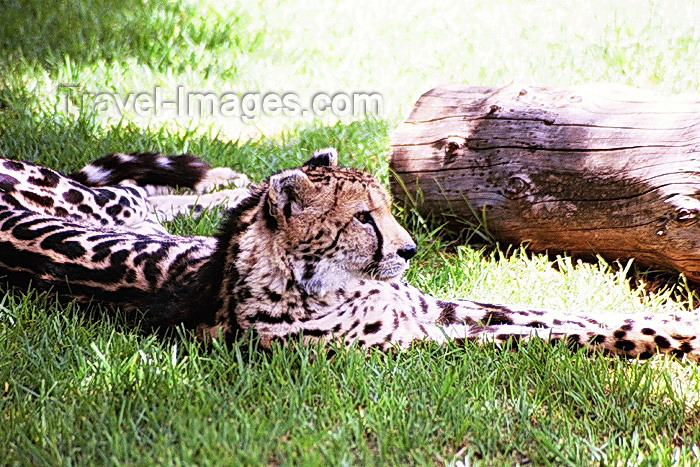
pixel 77 391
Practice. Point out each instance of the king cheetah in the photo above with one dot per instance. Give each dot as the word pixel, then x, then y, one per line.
pixel 312 253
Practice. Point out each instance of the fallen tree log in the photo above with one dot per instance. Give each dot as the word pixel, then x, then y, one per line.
pixel 587 170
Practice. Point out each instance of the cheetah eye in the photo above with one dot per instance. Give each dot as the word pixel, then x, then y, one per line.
pixel 364 217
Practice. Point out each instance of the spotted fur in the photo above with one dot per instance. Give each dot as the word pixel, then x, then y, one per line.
pixel 313 252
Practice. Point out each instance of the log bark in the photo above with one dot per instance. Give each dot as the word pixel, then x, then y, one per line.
pixel 587 170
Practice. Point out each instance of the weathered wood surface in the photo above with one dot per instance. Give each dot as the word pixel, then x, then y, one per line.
pixel 588 170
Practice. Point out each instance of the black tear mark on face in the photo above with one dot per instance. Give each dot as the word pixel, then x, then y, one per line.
pixel 366 218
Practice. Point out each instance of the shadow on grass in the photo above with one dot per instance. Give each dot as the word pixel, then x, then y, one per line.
pixel 39 134
pixel 162 35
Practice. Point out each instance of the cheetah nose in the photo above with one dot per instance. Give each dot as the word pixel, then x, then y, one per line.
pixel 407 252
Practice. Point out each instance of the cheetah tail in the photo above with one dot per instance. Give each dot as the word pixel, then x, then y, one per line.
pixel 145 168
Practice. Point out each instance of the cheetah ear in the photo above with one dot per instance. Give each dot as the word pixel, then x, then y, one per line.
pixel 287 193
pixel 326 157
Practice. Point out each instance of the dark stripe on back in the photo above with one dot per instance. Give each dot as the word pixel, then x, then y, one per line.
pixel 23 231
pixel 57 242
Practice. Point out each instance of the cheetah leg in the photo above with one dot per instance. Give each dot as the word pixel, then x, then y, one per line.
pixel 221 177
pixel 215 179
pixel 634 335
pixel 166 207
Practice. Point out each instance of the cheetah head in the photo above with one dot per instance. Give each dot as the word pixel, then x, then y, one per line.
pixel 335 225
